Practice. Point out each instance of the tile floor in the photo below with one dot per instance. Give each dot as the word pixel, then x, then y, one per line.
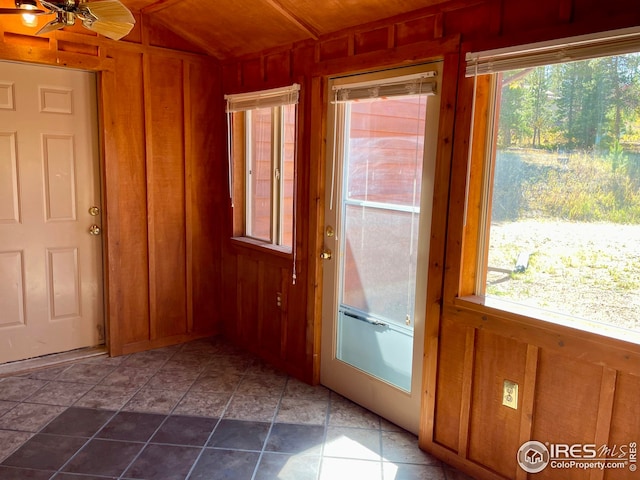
pixel 198 411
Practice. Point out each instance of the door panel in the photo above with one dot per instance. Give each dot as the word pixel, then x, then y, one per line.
pixel 50 265
pixel 378 216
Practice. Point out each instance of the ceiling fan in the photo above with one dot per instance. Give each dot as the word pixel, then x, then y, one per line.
pixel 106 17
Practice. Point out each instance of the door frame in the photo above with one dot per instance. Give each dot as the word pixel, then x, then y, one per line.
pixel 447 49
pixel 376 390
pixel 98 66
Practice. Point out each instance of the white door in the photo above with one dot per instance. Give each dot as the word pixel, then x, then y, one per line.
pixel 378 212
pixel 50 264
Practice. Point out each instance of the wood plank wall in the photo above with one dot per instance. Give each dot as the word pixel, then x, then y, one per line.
pixel 574 387
pixel 160 140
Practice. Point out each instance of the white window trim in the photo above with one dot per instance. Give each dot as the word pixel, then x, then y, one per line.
pixel 603 44
pixel 488 62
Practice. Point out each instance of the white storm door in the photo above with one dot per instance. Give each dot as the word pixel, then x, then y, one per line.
pixel 51 296
pixel 378 214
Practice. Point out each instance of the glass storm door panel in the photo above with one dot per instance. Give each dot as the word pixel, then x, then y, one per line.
pixel 379 215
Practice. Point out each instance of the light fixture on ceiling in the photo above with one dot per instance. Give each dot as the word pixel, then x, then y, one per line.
pixel 28 19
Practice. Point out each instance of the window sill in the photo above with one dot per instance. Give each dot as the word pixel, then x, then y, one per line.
pixel 535 317
pixel 258 245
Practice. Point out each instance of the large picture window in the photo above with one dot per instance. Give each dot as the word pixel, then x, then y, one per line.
pixel 262 140
pixel 559 234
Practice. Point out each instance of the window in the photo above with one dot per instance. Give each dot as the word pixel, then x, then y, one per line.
pixel 559 235
pixel 262 151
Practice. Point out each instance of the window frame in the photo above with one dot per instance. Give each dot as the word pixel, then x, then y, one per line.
pixel 479 192
pixel 240 152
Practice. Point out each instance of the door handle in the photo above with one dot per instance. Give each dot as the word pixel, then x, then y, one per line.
pixel 94 230
pixel 326 254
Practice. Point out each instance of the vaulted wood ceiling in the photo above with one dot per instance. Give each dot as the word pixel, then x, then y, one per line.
pixel 232 28
pixel 227 29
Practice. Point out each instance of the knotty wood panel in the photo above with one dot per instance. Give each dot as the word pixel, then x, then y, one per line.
pixel 496 359
pixel 371 41
pixel 166 196
pixel 271 311
pixel 516 18
pixel 414 31
pixel 248 297
pixel 126 203
pixel 566 404
pixel 334 48
pixel 204 130
pixel 625 422
pixel 253 72
pixel 449 392
pixel 278 67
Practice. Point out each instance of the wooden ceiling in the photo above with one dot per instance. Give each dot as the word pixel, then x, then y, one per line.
pixel 229 29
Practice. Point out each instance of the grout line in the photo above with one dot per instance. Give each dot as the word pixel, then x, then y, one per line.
pixel 222 414
pixel 273 421
pixel 242 374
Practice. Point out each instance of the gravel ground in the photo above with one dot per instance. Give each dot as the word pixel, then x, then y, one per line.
pixel 587 270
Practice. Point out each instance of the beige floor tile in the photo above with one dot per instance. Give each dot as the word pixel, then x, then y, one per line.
pixel 60 393
pixel 106 397
pixel 10 441
pixel 307 411
pixel 29 417
pixel 202 404
pixel 154 401
pixel 251 407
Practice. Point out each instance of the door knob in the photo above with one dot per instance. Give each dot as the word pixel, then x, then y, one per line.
pixel 326 254
pixel 94 230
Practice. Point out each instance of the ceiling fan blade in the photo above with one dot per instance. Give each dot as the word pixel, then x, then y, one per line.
pixel 109 11
pixel 56 24
pixel 9 11
pixel 112 30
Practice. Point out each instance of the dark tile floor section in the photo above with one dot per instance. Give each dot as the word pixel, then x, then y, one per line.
pixel 199 411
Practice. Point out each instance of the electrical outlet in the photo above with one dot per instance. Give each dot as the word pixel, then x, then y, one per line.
pixel 510 394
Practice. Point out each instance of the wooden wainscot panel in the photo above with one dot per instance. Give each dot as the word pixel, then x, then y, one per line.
pixel 303 56
pixel 253 72
pixel 11 38
pixel 451 365
pixel 296 329
pixel 371 40
pixel 479 20
pixel 597 11
pixel 273 307
pixel 231 75
pixel 566 405
pixel 625 423
pixel 494 427
pixel 515 18
pixel 166 195
pixel 278 68
pixel 126 202
pixel 413 31
pixel 335 48
pixel 73 47
pixel 205 200
pixel 247 307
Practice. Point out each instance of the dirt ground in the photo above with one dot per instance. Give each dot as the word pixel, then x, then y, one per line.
pixel 586 270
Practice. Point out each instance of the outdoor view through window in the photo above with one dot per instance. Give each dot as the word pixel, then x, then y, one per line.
pixel 564 230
